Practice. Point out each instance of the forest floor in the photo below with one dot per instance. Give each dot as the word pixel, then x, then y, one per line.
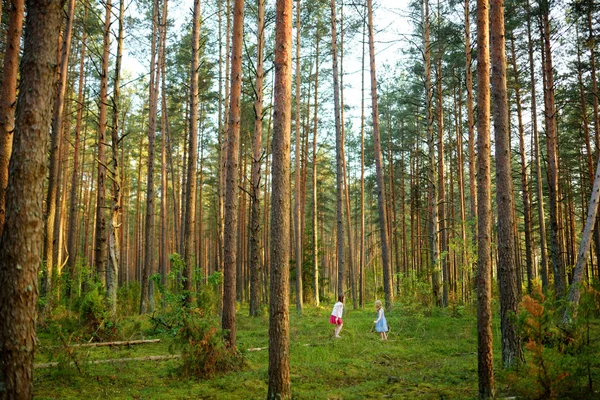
pixel 429 355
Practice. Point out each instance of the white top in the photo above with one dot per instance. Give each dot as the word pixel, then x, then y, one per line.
pixel 338 309
pixel 379 314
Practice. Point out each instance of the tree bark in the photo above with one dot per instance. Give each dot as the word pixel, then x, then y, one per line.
pixel 385 251
pixel 114 245
pixel 551 144
pixel 536 151
pixel 432 168
pixel 147 301
pixel 8 96
pixel 190 194
pixel 524 181
pixel 339 154
pixel 485 355
pixel 315 236
pixel 73 207
pixel 255 259
pixel 512 353
pixel 441 171
pixel 21 243
pixel 100 242
pixel 231 189
pixel 297 222
pixel 279 324
pixel 470 119
pixel 55 151
pixel 164 251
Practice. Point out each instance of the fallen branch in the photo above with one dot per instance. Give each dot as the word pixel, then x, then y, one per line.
pixel 124 343
pixel 101 344
pixel 113 361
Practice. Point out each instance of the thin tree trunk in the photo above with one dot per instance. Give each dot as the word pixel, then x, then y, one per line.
pixel 339 162
pixel 8 95
pixel 297 231
pixel 146 301
pixel 255 261
pixel 470 120
pixel 21 243
pixel 55 151
pixel 279 324
pixel 100 241
pixel 536 151
pixel 441 172
pixel 73 207
pixel 551 143
pixel 485 353
pixel 432 173
pixel 362 172
pixel 385 250
pixel 524 183
pixel 231 192
pixel 116 207
pixel 163 261
pixel 190 194
pixel 315 236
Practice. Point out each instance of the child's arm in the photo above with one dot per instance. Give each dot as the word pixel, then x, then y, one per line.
pixel 379 315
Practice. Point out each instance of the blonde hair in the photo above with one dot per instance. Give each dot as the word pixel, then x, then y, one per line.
pixel 378 304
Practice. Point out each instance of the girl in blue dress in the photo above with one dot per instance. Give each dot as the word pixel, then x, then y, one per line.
pixel 381 325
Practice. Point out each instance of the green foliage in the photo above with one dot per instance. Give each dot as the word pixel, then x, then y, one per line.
pixel 560 359
pixel 92 307
pixel 415 291
pixel 208 295
pixel 129 298
pixel 203 350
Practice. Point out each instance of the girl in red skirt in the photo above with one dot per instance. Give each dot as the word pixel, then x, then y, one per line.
pixel 336 315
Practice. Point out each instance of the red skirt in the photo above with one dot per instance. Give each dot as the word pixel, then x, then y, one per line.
pixel 335 320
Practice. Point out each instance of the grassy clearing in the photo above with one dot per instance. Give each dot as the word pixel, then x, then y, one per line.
pixel 425 357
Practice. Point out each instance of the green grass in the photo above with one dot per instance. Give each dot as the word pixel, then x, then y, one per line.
pixel 426 357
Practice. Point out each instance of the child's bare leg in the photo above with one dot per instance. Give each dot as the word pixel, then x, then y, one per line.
pixel 338 328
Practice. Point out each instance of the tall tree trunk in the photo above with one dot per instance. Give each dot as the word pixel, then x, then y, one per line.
pixel 116 207
pixel 279 323
pixel 315 227
pixel 21 243
pixel 297 222
pixel 512 353
pixel 385 251
pixel 8 95
pixel 55 151
pixel 73 207
pixel 470 119
pixel 146 301
pixel 255 261
pixel 441 170
pixel 524 183
pixel 537 161
pixel 485 352
pixel 432 173
pixel 163 261
pixel 551 144
pixel 362 173
pixel 231 193
pixel 100 241
pixel 190 194
pixel 339 154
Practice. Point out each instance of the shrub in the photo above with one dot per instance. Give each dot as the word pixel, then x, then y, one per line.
pixel 203 350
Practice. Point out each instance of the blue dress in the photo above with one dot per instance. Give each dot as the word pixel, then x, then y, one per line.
pixel 381 325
